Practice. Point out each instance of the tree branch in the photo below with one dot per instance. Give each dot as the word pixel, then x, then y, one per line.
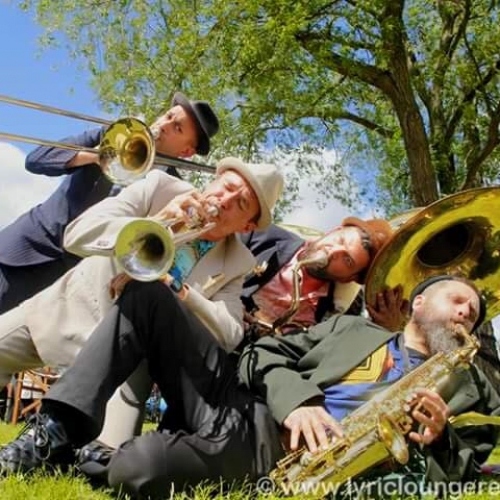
pixel 468 98
pixel 314 43
pixel 492 141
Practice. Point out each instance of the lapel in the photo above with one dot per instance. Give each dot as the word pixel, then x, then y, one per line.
pixel 208 272
pixel 272 249
pixel 349 350
pixel 227 260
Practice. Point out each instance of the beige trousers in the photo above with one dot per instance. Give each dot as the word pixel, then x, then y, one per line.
pixel 125 410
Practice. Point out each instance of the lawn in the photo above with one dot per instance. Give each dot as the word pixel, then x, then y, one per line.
pixel 73 487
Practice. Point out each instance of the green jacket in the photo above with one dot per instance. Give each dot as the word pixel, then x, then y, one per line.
pixel 290 370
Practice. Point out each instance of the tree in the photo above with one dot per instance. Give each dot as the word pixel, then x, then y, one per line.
pixel 410 89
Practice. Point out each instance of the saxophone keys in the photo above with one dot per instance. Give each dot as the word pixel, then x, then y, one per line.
pixel 393 439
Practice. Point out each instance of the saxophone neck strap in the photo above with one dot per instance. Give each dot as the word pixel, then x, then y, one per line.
pixel 473 418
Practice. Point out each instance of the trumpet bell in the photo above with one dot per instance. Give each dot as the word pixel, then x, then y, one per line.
pixel 145 249
pixel 459 234
pixel 127 151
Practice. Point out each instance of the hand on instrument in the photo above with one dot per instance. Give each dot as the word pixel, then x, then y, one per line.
pixel 82 158
pixel 314 424
pixel 183 207
pixel 432 414
pixel 181 293
pixel 390 309
pixel 117 284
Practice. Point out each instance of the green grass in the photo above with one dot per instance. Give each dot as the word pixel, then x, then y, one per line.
pixel 70 486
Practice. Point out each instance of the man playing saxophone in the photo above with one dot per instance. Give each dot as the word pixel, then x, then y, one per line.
pixel 220 425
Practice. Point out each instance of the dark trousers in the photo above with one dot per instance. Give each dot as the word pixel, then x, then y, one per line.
pixel 212 429
pixel 20 283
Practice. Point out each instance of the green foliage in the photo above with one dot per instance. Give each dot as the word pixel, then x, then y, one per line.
pixel 410 89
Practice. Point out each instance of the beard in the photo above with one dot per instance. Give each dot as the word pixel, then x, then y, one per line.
pixel 317 269
pixel 440 337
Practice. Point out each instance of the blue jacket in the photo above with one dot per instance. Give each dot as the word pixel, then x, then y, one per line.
pixel 36 236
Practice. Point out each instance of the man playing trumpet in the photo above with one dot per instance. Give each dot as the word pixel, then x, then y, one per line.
pixel 31 248
pixel 51 327
pixel 304 383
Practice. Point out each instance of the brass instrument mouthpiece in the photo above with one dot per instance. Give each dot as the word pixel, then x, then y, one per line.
pixel 194 216
pixel 212 211
pixel 317 261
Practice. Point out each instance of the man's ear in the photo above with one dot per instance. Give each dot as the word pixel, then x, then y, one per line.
pixel 418 302
pixel 187 152
pixel 250 226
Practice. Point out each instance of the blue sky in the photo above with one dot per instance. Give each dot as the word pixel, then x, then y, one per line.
pixel 47 77
pixel 51 77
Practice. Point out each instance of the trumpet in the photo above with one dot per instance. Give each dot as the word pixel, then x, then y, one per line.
pixel 145 248
pixel 126 152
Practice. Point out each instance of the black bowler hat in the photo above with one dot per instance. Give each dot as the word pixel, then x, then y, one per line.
pixel 206 121
pixel 447 277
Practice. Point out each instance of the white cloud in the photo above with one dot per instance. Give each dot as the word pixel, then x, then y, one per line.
pixel 310 215
pixel 20 190
pixel 331 212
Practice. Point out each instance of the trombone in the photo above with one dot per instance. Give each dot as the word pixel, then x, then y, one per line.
pixel 126 152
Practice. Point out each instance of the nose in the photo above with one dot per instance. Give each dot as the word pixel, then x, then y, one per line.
pixel 227 199
pixel 334 251
pixel 465 310
pixel 164 125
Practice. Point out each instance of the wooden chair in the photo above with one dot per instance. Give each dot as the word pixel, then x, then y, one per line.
pixel 35 383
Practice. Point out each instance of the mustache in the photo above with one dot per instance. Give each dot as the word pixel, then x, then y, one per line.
pixel 317 256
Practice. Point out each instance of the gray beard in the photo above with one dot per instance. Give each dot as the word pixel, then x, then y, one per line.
pixel 440 338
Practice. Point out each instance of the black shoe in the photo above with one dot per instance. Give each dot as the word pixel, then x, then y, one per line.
pixel 43 441
pixel 95 451
pixel 93 459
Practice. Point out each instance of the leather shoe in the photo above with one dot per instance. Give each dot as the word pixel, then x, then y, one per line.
pixel 96 452
pixel 43 441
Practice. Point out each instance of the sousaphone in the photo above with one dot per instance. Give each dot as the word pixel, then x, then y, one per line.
pixel 459 234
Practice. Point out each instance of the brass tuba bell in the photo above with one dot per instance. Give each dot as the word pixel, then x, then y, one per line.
pixel 459 234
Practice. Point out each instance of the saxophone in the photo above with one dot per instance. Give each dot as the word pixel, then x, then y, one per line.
pixel 265 327
pixel 375 431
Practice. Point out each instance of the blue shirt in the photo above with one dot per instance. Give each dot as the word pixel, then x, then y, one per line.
pixel 383 367
pixel 186 256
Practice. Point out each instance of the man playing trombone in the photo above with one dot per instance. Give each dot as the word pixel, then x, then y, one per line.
pixel 31 252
